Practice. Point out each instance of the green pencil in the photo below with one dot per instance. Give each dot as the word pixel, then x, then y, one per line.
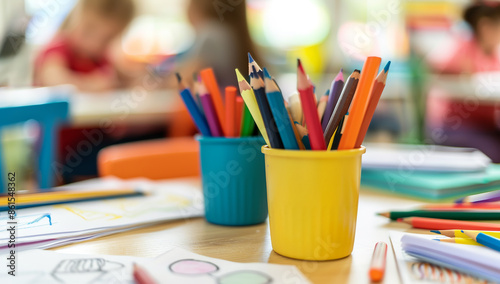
pixel 247 124
pixel 442 214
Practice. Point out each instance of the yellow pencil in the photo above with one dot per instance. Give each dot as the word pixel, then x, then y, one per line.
pixel 459 234
pixel 296 108
pixel 251 102
pixel 462 241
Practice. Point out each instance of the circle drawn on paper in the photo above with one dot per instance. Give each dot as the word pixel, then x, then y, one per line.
pixel 193 267
pixel 245 277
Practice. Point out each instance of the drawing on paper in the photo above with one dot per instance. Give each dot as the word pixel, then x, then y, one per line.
pixel 28 221
pixel 85 270
pixel 194 267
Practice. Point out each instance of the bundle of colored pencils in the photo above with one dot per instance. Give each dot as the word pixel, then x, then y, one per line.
pixel 339 121
pixel 213 114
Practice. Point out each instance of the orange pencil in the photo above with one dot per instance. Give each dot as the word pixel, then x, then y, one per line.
pixel 208 77
pixel 239 114
pixel 359 103
pixel 375 94
pixel 230 97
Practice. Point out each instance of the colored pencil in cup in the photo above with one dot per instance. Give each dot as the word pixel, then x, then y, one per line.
pixel 373 99
pixel 453 215
pixel 322 104
pixel 334 143
pixel 462 241
pixel 247 123
pixel 280 114
pixel 333 98
pixel 460 234
pixel 304 135
pixel 294 127
pixel 208 77
pixel 342 105
pixel 231 119
pixel 240 107
pixel 248 96
pixel 295 108
pixel 359 103
pixel 260 95
pixel 309 108
pixel 443 224
pixel 480 198
pixel 485 240
pixel 195 113
pixel 253 64
pixel 210 112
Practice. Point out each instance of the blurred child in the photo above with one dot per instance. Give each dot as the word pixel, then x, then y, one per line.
pixel 78 54
pixel 471 123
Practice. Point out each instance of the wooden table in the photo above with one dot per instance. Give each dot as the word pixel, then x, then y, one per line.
pixel 253 243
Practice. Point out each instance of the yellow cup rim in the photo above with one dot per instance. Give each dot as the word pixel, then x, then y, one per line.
pixel 312 154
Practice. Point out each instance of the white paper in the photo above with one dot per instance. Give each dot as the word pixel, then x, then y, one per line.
pixel 181 266
pixel 39 266
pixel 414 270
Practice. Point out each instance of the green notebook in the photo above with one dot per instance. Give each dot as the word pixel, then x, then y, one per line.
pixel 431 185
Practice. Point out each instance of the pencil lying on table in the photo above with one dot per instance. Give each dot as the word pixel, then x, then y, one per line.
pixel 442 224
pixel 485 240
pixel 454 215
pixel 460 234
pixel 461 241
pixel 482 197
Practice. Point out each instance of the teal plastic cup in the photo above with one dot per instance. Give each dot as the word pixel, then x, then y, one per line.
pixel 234 180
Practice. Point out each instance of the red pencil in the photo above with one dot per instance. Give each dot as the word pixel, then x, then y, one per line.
pixel 238 115
pixel 442 224
pixel 230 120
pixel 141 276
pixel 375 94
pixel 309 108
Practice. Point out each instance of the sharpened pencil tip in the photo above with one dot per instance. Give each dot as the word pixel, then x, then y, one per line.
pixel 299 65
pixel 435 232
pixel 386 68
pixel 254 72
pixel 340 76
pixel 178 77
pixel 266 73
pixel 357 70
pixel 250 59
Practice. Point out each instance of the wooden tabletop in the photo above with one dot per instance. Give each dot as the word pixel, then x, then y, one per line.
pixel 253 243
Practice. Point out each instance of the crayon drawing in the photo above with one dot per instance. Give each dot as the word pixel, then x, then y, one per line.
pixel 28 221
pixel 85 270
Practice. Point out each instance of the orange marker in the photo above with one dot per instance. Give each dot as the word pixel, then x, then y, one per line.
pixel 359 103
pixel 238 115
pixel 208 77
pixel 230 96
pixel 377 266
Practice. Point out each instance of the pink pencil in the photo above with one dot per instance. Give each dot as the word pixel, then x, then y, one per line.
pixel 210 113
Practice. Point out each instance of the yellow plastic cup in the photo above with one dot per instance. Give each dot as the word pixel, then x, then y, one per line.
pixel 313 201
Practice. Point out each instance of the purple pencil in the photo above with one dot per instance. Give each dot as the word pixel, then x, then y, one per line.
pixel 335 91
pixel 482 197
pixel 209 109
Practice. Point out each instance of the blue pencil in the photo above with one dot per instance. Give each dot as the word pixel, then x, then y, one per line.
pixel 485 240
pixel 198 118
pixel 280 114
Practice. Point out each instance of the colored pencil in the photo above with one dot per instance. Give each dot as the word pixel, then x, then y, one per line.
pixel 295 108
pixel 482 197
pixel 309 108
pixel 442 224
pixel 334 144
pixel 377 265
pixel 280 114
pixel 460 234
pixel 373 99
pixel 335 91
pixel 210 113
pixel 141 276
pixel 295 131
pixel 342 105
pixel 485 240
pixel 208 78
pixel 240 108
pixel 454 215
pixel 196 93
pixel 247 123
pixel 322 104
pixel 463 206
pixel 192 107
pixel 231 119
pixel 253 64
pixel 260 95
pixel 304 136
pixel 248 96
pixel 462 241
pixel 359 103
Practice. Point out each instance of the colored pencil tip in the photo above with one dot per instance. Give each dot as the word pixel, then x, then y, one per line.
pixel 357 70
pixel 340 76
pixel 254 72
pixel 386 68
pixel 462 231
pixel 178 77
pixel 250 59
pixel 299 65
pixel 266 73
pixel 435 232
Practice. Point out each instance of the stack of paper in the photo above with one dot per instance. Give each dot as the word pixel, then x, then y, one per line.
pixel 55 225
pixel 478 261
pixel 430 172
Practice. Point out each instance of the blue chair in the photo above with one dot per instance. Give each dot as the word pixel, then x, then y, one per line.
pixel 49 115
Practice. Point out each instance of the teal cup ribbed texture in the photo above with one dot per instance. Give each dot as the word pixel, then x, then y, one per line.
pixel 234 180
